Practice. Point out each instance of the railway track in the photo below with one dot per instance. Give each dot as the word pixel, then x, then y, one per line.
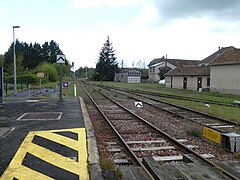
pixel 140 140
pixel 171 96
pixel 216 123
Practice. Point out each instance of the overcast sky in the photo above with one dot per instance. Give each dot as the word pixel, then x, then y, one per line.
pixel 139 29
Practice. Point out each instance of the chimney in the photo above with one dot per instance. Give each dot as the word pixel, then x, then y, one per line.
pixel 166 56
pixel 219 48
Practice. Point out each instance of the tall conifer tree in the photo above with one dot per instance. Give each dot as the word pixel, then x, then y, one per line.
pixel 107 64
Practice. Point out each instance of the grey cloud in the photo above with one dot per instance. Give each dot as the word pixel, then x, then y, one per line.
pixel 219 9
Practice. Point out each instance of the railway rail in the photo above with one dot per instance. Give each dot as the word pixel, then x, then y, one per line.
pixel 216 123
pixel 142 139
pixel 172 96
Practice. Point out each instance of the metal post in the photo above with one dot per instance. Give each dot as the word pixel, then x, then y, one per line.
pixel 60 94
pixel 1 85
pixel 40 85
pixel 6 88
pixel 14 62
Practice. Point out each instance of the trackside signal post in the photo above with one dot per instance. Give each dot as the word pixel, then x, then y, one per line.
pixel 60 60
pixel 1 84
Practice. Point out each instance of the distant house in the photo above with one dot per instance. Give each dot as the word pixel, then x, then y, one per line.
pixel 225 72
pixel 158 67
pixel 193 78
pixel 128 75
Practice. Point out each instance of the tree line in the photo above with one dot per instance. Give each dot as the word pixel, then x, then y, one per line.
pixel 31 59
pixel 29 56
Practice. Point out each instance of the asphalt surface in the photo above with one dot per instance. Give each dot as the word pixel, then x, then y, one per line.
pixel 42 114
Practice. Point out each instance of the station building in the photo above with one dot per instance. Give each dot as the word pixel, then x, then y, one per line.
pixel 192 78
pixel 219 72
pixel 225 72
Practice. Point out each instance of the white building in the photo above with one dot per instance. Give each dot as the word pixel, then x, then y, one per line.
pixel 128 75
pixel 162 65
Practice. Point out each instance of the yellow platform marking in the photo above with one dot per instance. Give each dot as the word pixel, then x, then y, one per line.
pixel 19 171
pixel 212 135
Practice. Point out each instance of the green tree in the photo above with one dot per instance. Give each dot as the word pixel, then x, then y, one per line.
pixel 84 72
pixel 162 71
pixel 8 56
pixel 1 59
pixel 107 64
pixel 49 70
pixel 65 69
pixel 32 54
pixel 19 65
pixel 50 51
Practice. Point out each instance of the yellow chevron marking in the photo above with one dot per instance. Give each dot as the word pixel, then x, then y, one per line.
pixel 82 154
pixel 26 173
pixel 19 171
pixel 60 139
pixel 54 158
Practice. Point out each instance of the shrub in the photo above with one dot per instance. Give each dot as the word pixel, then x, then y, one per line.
pixel 28 78
pixel 106 164
pixel 49 70
pixel 194 132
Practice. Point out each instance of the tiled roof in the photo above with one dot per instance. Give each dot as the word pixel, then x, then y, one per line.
pixel 208 60
pixel 181 62
pixel 155 61
pixel 175 62
pixel 232 56
pixel 190 71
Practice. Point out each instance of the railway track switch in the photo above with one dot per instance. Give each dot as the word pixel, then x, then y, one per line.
pixel 231 141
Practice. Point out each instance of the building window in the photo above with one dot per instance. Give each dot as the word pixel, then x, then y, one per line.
pixel 208 81
pixel 134 74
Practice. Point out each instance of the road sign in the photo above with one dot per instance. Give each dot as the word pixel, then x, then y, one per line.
pixel 138 104
pixel 40 75
pixel 212 135
pixel 65 85
pixel 60 59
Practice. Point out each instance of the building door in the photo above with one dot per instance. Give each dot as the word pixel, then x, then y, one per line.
pixel 199 83
pixel 184 82
pixel 171 81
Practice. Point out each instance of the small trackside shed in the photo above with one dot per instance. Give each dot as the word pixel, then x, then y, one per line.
pixel 225 72
pixel 192 78
pixel 129 76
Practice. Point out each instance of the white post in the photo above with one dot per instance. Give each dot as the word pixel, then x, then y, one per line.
pixel 29 90
pixel 75 90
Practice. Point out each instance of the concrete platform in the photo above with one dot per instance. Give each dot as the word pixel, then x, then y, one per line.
pixel 43 144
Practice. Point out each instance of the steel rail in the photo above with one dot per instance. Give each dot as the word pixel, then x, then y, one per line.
pixel 192 110
pixel 175 96
pixel 178 106
pixel 184 108
pixel 180 145
pixel 187 98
